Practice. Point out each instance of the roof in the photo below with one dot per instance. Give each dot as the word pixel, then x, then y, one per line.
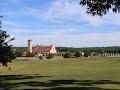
pixel 42 48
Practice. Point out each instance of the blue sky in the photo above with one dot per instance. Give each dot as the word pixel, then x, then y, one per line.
pixel 59 22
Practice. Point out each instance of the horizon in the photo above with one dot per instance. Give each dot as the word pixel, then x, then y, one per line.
pixel 62 23
pixel 75 47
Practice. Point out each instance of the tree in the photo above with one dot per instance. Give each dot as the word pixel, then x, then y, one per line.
pixel 100 7
pixel 77 54
pixel 67 55
pixel 29 54
pixel 19 54
pixel 49 56
pixel 41 57
pixel 86 53
pixel 100 50
pixel 6 51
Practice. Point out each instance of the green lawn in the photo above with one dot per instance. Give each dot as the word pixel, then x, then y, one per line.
pixel 62 74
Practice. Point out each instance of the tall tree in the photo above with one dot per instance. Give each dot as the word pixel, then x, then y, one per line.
pixel 6 52
pixel 101 7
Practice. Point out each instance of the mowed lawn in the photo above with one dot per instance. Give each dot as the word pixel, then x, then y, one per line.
pixel 62 74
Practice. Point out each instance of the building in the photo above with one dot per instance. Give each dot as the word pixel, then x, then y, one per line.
pixel 41 49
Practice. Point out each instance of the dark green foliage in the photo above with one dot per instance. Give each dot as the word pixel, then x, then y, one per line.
pixel 19 54
pixel 41 57
pixel 93 54
pixel 100 50
pixel 49 56
pixel 29 54
pixel 36 53
pixel 20 49
pixel 77 54
pixel 86 54
pixel 6 51
pixel 97 50
pixel 67 55
pixel 100 7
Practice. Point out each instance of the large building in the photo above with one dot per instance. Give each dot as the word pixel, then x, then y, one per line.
pixel 41 49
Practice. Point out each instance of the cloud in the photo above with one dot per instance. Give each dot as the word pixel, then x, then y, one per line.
pixel 28 11
pixel 111 18
pixel 63 37
pixel 16 2
pixel 11 23
pixel 69 10
pixel 61 11
pixel 64 10
pixel 71 25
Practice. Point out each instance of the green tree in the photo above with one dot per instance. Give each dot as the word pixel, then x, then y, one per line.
pixel 67 55
pixel 100 7
pixel 29 54
pixel 19 54
pixel 36 53
pixel 6 51
pixel 41 57
pixel 77 54
pixel 49 56
pixel 86 53
pixel 100 50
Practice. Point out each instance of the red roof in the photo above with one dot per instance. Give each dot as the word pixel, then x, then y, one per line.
pixel 42 48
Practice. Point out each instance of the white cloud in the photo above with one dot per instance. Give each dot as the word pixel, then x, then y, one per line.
pixel 60 11
pixel 71 10
pixel 11 23
pixel 63 10
pixel 60 37
pixel 32 12
pixel 17 2
pixel 112 18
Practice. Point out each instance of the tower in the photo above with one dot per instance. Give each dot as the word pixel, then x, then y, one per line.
pixel 30 46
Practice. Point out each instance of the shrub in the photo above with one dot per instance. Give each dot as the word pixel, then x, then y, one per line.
pixel 86 54
pixel 67 55
pixel 36 53
pixel 41 57
pixel 77 54
pixel 49 56
pixel 19 54
pixel 93 54
pixel 29 54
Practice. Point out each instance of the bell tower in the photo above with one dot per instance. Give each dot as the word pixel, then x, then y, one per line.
pixel 30 45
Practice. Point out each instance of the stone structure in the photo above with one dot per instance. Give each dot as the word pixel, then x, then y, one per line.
pixel 41 49
pixel 30 46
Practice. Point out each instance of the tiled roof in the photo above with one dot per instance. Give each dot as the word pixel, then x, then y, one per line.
pixel 42 48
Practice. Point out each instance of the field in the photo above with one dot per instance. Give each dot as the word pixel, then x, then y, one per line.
pixel 62 74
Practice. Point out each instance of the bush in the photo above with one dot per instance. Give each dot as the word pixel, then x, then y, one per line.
pixel 49 56
pixel 36 53
pixel 86 54
pixel 41 57
pixel 19 54
pixel 67 55
pixel 93 54
pixel 29 54
pixel 77 54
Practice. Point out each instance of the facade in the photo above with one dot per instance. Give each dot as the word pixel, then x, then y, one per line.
pixel 41 49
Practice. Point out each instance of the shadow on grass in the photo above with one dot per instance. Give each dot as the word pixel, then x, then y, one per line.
pixel 28 80
pixel 9 82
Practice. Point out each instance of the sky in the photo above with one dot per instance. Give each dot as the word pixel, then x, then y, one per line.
pixel 58 22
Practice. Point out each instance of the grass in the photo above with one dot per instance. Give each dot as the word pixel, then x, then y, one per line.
pixel 62 74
